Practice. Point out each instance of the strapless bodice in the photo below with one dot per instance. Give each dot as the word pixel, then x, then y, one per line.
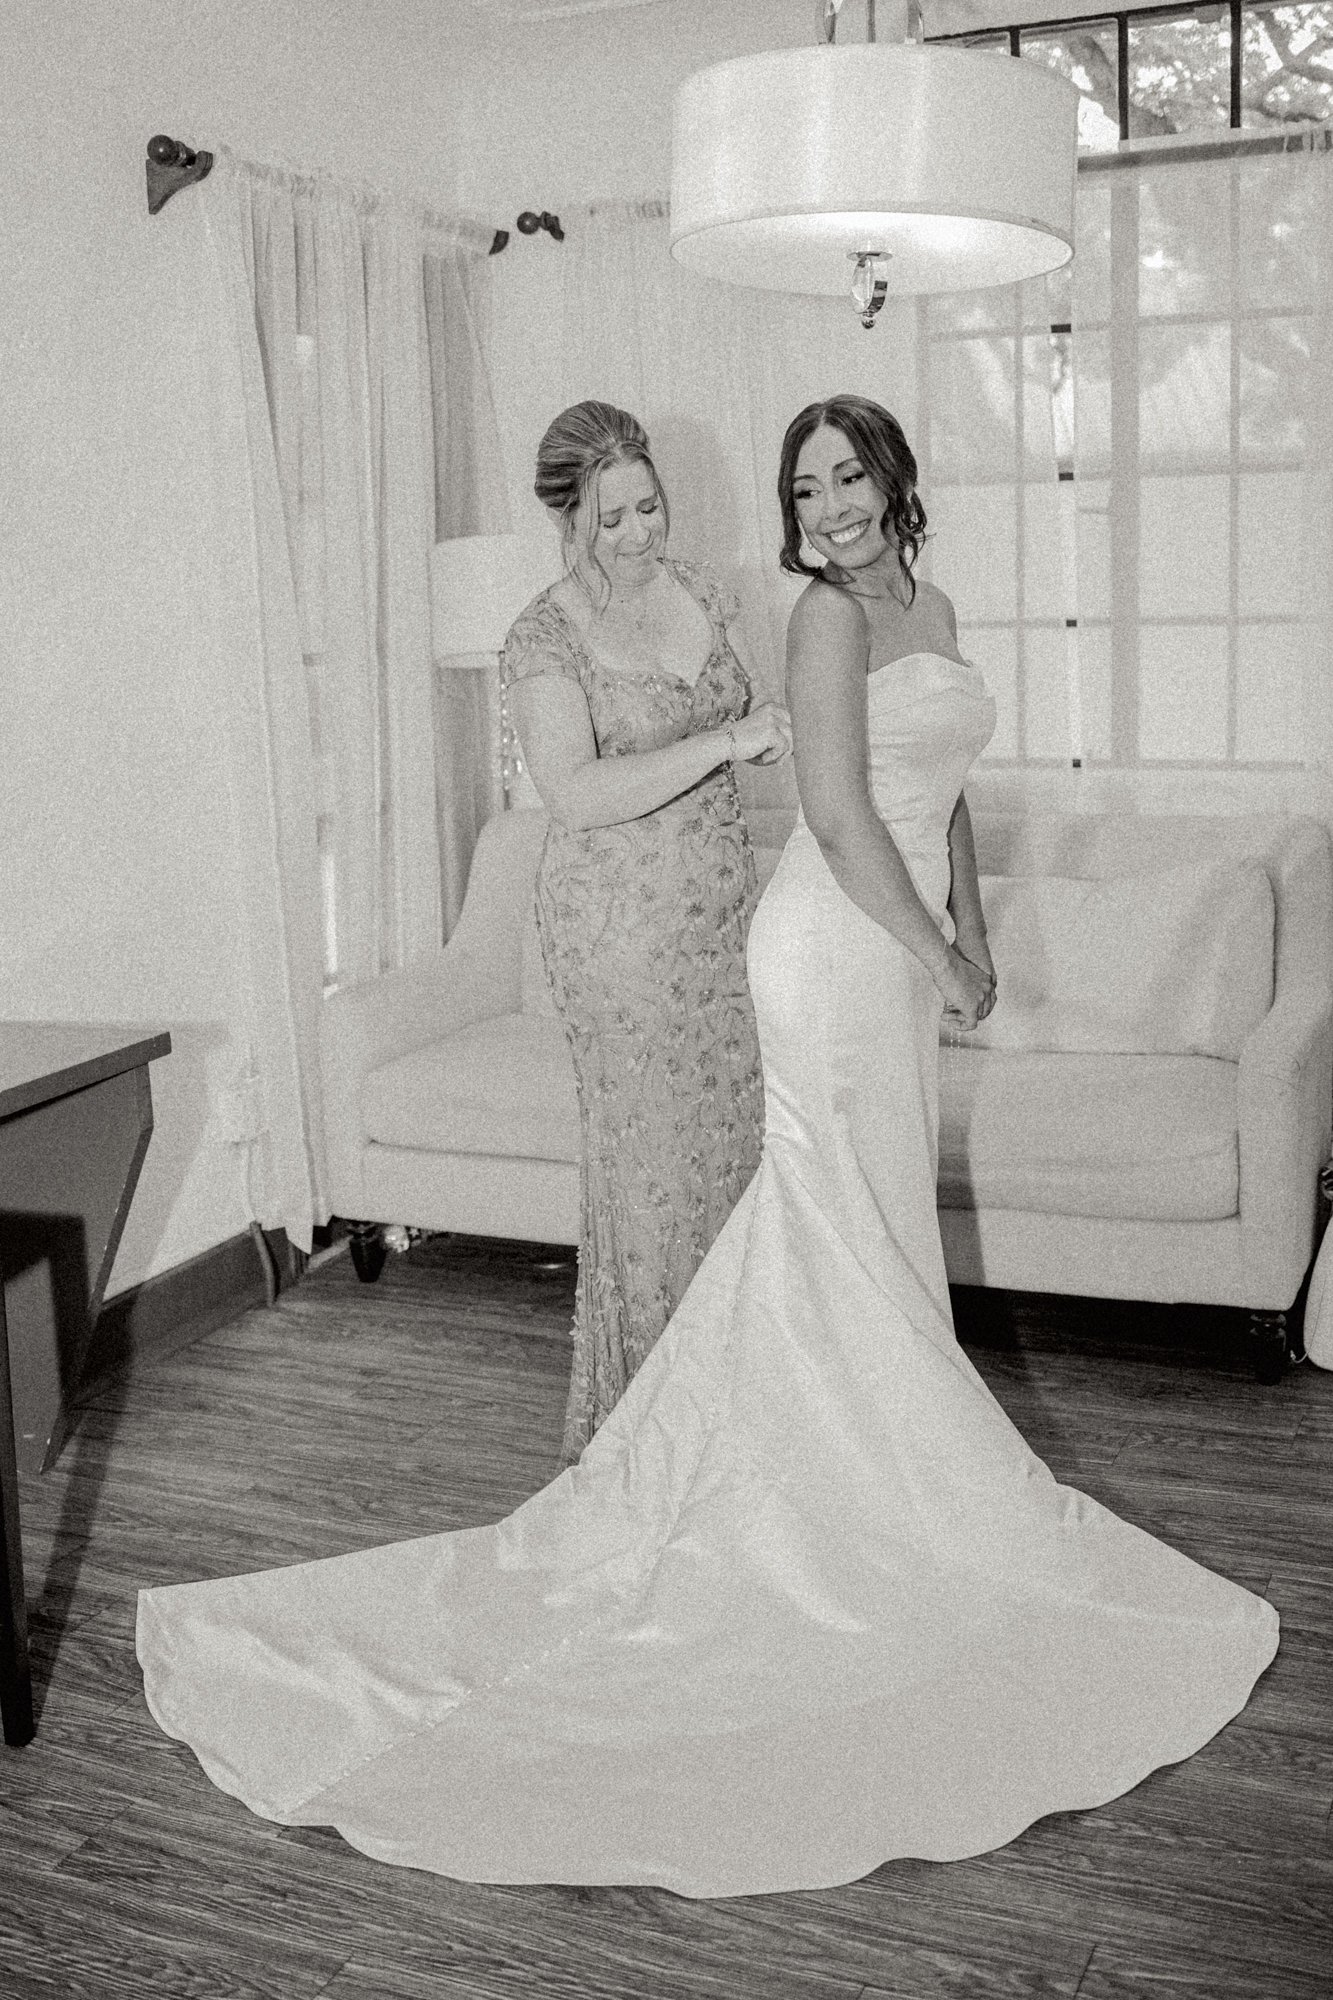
pixel 929 719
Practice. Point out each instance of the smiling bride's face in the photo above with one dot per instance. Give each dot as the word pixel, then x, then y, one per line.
pixel 838 504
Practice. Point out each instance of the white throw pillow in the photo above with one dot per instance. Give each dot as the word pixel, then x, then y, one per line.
pixel 1178 962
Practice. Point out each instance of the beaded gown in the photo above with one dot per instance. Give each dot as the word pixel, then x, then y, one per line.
pixel 642 929
pixel 808 1602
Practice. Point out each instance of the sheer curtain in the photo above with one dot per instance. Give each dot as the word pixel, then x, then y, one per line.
pixel 1203 380
pixel 990 479
pixel 351 425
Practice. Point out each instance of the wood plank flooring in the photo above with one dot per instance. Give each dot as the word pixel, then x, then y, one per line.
pixel 349 1415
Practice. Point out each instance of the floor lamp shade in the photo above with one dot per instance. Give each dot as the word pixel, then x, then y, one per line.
pixel 956 168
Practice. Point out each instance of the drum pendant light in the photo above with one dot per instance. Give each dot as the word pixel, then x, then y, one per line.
pixel 873 170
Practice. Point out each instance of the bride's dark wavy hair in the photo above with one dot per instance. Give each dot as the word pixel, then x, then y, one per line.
pixel 877 440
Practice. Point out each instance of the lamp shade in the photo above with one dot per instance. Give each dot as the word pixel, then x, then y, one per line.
pixel 480 583
pixel 956 167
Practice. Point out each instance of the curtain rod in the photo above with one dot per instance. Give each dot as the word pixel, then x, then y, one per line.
pixel 172 165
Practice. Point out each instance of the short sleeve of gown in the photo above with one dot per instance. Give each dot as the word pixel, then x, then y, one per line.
pixel 539 642
pixel 721 603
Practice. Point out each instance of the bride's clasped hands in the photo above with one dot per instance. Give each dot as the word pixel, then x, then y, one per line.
pixel 969 993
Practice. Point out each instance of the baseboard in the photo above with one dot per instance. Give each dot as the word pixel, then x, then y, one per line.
pixel 167 1312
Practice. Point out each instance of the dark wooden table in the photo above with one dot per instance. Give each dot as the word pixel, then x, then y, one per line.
pixel 76 1112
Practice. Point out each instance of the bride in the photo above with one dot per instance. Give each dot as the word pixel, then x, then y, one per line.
pixel 807 1603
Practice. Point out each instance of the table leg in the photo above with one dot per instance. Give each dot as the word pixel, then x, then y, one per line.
pixel 15 1675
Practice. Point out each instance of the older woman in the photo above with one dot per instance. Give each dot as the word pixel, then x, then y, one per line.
pixel 627 687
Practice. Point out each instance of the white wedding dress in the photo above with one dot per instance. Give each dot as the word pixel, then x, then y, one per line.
pixel 808 1602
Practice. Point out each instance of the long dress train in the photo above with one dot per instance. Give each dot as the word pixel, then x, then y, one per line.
pixel 807 1602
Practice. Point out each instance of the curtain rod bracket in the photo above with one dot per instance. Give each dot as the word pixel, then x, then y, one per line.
pixel 530 222
pixel 171 165
pixel 498 241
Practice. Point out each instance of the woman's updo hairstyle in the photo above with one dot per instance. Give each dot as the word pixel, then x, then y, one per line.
pixel 578 447
pixel 877 440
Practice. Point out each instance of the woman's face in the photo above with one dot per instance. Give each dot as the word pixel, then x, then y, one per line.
pixel 837 503
pixel 631 529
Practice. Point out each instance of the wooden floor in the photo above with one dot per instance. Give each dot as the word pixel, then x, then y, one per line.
pixel 347 1416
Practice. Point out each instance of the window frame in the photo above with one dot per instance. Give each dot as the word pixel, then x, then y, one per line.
pixel 1122 17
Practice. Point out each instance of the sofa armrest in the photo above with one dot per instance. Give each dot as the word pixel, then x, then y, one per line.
pixel 1284 1107
pixel 372 1022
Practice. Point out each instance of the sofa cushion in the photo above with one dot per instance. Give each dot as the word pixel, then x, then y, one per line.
pixel 504 1086
pixel 1178 962
pixel 1139 1138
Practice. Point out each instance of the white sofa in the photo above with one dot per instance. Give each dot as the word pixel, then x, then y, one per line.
pixel 1182 1165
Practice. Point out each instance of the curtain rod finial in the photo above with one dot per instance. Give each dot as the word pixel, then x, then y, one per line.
pixel 530 222
pixel 170 166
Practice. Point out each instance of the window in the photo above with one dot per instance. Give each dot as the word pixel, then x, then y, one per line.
pixel 1130 509
pixel 1160 71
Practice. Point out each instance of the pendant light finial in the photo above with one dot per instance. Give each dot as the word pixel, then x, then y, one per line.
pixel 870 283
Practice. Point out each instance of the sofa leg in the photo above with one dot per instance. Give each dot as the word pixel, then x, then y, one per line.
pixel 368 1250
pixel 1268 1334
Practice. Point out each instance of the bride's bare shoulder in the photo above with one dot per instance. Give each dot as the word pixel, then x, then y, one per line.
pixel 929 597
pixel 822 612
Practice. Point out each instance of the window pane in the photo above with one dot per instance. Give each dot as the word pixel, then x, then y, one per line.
pixel 1062 400
pixel 1044 583
pixel 1094 549
pixel 1093 216
pixel 1094 677
pixel 974 548
pixel 994 649
pixel 1183 546
pixel 1180 74
pixel 1092 405
pixel 1184 240
pixel 1274 361
pixel 972 409
pixel 1279 212
pixel 1086 54
pixel 1286 64
pixel 1046 692
pixel 1184 396
pixel 1183 693
pixel 1271 545
pixel 1269 708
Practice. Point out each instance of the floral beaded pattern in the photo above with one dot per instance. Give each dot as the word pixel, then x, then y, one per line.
pixel 643 928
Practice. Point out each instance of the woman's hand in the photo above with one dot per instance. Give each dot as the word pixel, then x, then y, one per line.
pixel 763 736
pixel 969 993
pixel 977 952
